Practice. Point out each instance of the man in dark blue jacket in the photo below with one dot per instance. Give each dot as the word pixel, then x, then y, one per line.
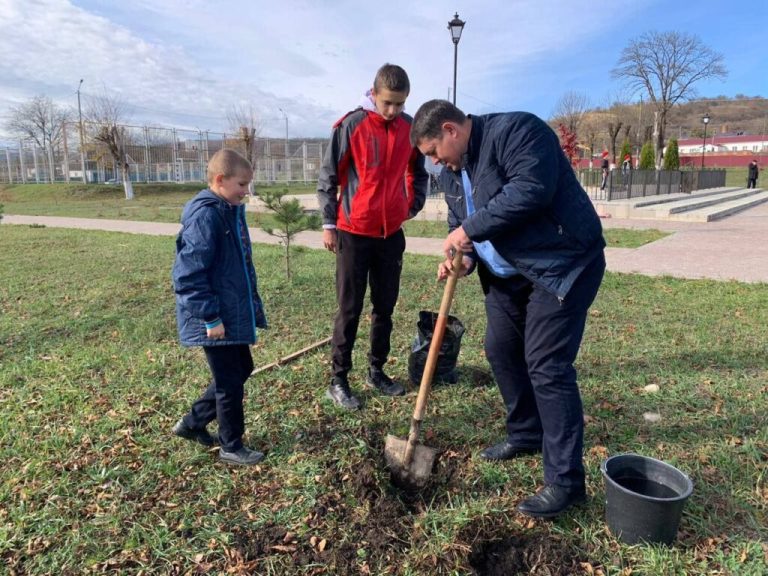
pixel 517 212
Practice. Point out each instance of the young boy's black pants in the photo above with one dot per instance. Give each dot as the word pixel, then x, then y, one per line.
pixel 531 343
pixel 230 366
pixel 360 260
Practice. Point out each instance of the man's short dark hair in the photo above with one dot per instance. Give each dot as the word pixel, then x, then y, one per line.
pixel 392 77
pixel 429 118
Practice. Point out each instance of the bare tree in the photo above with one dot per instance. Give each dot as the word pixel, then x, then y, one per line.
pixel 591 128
pixel 105 115
pixel 570 110
pixel 666 65
pixel 39 119
pixel 246 126
pixel 614 125
pixel 42 121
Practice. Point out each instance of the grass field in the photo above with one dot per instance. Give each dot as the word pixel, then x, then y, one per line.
pixel 92 379
pixel 163 203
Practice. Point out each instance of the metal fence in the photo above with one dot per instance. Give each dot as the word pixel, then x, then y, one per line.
pixel 625 184
pixel 154 155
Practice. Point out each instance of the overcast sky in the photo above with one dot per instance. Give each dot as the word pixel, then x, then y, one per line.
pixel 184 63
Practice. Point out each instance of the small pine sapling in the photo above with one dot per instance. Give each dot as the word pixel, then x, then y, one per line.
pixel 290 219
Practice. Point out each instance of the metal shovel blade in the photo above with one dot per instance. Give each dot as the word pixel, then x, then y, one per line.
pixel 415 474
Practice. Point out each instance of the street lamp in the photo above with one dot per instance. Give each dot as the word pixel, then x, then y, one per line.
pixel 287 159
pixel 455 26
pixel 82 146
pixel 704 119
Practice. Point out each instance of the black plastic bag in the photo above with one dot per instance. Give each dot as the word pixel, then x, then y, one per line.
pixel 445 371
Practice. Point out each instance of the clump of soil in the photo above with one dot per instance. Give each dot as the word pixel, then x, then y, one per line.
pixel 497 550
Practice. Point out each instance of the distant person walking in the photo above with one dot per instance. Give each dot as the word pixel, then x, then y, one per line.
pixel 752 174
pixel 605 167
pixel 626 166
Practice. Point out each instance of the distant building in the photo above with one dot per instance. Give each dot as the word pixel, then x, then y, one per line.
pixel 725 143
pixel 723 150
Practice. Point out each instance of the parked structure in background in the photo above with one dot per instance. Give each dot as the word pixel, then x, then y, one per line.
pixel 723 150
pixel 155 155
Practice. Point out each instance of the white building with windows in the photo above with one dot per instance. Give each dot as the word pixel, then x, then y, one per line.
pixel 722 143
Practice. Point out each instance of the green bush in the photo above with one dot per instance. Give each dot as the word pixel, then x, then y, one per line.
pixel 672 157
pixel 626 148
pixel 647 161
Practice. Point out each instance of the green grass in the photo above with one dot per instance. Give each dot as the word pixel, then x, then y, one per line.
pixel 163 203
pixel 614 237
pixel 152 202
pixel 92 379
pixel 737 176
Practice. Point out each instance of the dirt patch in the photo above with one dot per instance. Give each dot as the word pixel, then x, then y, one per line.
pixel 476 376
pixel 249 546
pixel 497 549
pixel 534 553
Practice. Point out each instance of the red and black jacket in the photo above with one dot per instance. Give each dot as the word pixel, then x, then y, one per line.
pixel 371 179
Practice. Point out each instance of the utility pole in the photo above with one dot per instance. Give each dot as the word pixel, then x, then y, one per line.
pixel 82 144
pixel 287 157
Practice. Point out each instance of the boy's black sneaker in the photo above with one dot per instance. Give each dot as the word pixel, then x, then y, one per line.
pixel 201 436
pixel 243 457
pixel 383 383
pixel 340 394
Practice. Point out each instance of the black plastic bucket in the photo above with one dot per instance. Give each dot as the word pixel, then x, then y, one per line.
pixel 644 498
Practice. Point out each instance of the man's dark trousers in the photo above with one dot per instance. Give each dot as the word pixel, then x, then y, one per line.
pixel 360 260
pixel 230 366
pixel 532 340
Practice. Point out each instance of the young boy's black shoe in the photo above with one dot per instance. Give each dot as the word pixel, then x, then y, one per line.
pixel 340 394
pixel 383 383
pixel 243 457
pixel 200 436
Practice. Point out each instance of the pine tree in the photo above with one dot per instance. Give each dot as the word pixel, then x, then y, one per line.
pixel 672 156
pixel 290 219
pixel 626 148
pixel 647 159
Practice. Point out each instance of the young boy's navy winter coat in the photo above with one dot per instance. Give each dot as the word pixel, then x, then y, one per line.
pixel 213 275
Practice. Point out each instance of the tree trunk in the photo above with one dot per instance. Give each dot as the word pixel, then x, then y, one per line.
pixel 288 256
pixel 127 185
pixel 659 122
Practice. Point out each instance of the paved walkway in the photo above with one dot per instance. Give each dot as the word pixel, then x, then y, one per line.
pixel 731 249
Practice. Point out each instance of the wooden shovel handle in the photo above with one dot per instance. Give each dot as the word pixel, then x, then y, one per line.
pixel 434 351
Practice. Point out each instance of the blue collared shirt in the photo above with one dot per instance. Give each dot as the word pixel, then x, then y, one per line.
pixel 485 250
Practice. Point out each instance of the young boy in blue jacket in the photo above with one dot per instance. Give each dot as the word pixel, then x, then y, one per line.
pixel 217 303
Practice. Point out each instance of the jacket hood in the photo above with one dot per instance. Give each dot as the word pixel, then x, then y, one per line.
pixel 366 101
pixel 203 199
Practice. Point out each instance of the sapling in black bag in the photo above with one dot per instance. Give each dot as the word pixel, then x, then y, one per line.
pixel 445 371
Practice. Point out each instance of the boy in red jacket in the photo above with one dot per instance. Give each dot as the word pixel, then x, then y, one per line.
pixel 371 181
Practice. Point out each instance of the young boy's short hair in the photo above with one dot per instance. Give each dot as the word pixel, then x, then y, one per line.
pixel 229 163
pixel 392 77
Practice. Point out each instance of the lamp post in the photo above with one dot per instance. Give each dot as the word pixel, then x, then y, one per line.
pixel 287 159
pixel 704 119
pixel 82 146
pixel 455 26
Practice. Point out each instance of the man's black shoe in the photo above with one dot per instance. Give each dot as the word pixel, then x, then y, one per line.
pixel 340 394
pixel 383 383
pixel 506 451
pixel 552 500
pixel 201 436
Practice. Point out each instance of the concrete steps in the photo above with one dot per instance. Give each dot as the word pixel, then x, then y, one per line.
pixel 723 209
pixel 703 206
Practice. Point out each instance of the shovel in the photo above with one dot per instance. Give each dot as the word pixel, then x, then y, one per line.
pixel 409 462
